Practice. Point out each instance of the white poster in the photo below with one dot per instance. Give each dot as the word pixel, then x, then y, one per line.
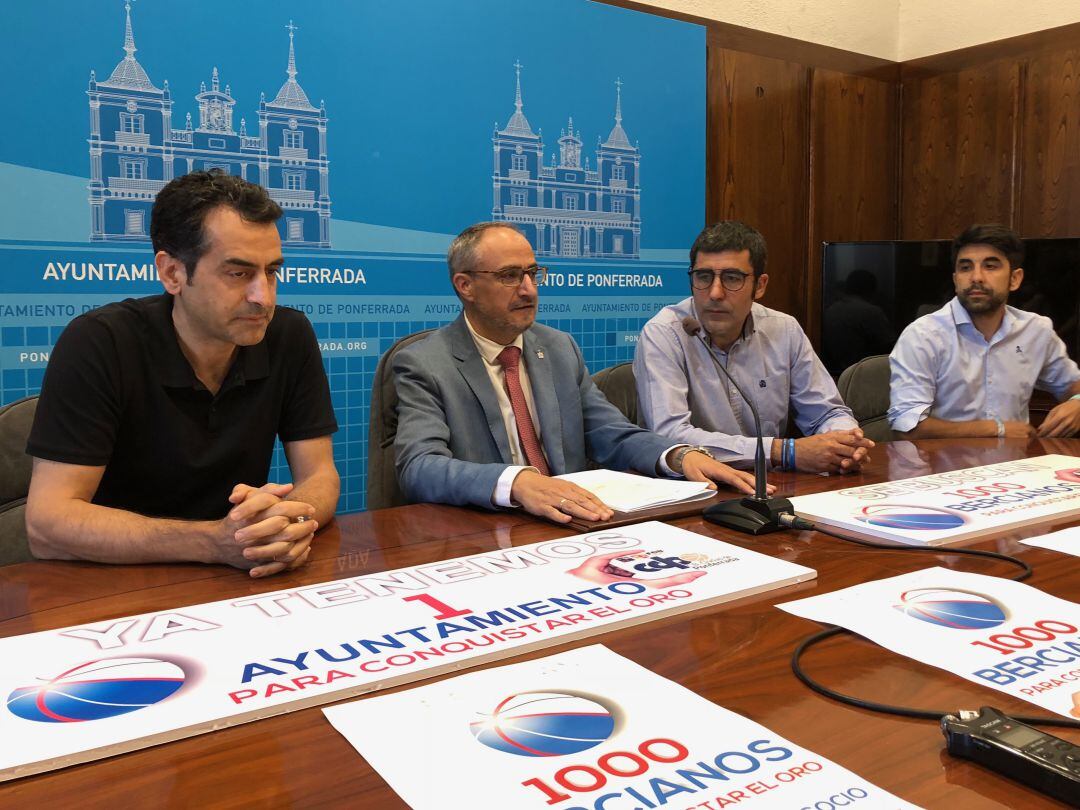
pixel 992 631
pixel 1066 541
pixel 586 730
pixel 951 506
pixel 78 693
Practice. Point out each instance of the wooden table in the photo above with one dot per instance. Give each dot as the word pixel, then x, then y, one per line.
pixel 736 655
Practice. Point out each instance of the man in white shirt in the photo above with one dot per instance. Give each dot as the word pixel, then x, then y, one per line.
pixel 493 405
pixel 969 368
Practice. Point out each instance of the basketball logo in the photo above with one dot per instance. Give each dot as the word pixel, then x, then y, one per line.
pixel 919 518
pixel 97 689
pixel 544 724
pixel 948 607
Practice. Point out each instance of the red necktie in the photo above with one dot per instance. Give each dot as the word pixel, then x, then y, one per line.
pixel 510 359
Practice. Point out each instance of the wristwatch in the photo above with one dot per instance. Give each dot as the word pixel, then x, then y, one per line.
pixel 676 462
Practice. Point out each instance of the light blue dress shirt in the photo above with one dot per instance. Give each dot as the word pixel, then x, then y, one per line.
pixel 942 366
pixel 682 395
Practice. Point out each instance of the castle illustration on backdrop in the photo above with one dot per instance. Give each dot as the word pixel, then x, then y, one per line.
pixel 135 149
pixel 565 208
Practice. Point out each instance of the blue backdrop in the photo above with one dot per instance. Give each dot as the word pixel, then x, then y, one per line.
pixel 382 129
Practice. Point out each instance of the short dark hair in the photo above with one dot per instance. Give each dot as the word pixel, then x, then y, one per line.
pixel 181 208
pixel 461 256
pixel 732 235
pixel 1002 239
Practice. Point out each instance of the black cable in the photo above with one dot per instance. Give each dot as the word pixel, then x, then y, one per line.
pixel 922 714
pixel 886 708
pixel 801 523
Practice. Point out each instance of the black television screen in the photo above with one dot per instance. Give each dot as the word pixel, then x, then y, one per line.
pixel 872 290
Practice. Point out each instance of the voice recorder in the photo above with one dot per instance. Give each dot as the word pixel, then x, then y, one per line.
pixel 1042 761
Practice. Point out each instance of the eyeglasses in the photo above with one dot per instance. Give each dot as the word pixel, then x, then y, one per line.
pixel 513 276
pixel 732 280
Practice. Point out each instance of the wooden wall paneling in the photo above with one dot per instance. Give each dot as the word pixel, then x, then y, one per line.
pixel 854 161
pixel 1050 192
pixel 960 139
pixel 757 158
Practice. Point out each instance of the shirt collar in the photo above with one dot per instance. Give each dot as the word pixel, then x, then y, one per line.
pixel 748 326
pixel 174 370
pixel 961 316
pixel 490 349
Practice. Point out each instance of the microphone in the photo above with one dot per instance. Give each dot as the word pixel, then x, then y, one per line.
pixel 759 514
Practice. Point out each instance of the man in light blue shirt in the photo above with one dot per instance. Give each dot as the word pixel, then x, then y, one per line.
pixel 683 396
pixel 969 368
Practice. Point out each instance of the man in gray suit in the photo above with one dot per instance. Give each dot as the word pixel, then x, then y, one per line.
pixel 492 405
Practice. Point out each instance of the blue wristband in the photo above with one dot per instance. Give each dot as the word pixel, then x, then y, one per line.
pixel 791 454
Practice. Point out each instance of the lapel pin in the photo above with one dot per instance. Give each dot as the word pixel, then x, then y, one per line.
pixel 539 354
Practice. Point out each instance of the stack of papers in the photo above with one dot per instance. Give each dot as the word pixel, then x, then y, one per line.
pixel 626 492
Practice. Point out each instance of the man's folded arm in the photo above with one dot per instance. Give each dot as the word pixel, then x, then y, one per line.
pixel 260 534
pixel 426 468
pixel 1059 374
pixel 817 403
pixel 63 524
pixel 315 478
pixel 933 428
pixel 912 385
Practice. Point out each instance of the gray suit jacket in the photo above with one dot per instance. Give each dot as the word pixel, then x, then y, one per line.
pixel 451 444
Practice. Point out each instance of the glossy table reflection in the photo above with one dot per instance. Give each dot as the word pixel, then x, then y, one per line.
pixel 736 654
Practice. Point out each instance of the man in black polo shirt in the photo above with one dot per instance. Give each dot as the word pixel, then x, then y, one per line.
pixel 157 418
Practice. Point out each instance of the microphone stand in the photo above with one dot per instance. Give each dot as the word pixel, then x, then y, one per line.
pixel 752 515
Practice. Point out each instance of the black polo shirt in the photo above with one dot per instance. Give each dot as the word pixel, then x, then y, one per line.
pixel 119 392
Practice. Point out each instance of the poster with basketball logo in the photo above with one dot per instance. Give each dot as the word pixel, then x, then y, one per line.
pixel 78 693
pixel 581 730
pixel 951 506
pixel 994 632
